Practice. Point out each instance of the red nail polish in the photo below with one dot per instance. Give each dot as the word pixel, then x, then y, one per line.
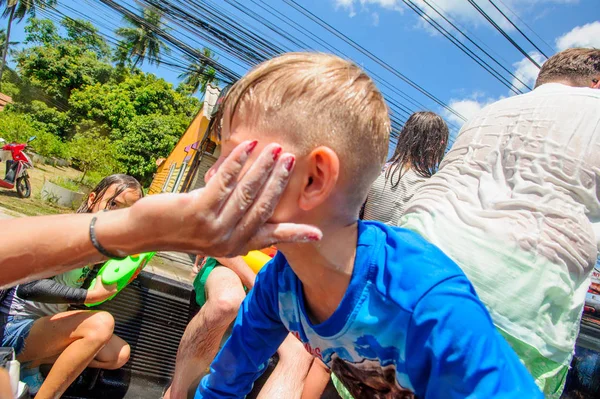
pixel 251 146
pixel 276 152
pixel 313 237
pixel 289 163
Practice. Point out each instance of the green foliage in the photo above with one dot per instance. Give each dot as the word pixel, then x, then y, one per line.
pixel 104 118
pixel 9 88
pixel 140 40
pixel 48 145
pixel 17 10
pixel 147 139
pixel 85 34
pixel 41 32
pixel 61 68
pixel 90 151
pixel 91 180
pixel 199 74
pixel 10 83
pixel 19 127
pixel 16 128
pixel 116 104
pixel 22 8
pixel 52 120
pixel 66 183
pixel 143 114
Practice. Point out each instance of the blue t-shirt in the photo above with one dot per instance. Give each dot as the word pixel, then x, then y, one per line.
pixel 409 324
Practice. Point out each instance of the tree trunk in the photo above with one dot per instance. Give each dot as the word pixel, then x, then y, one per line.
pixel 5 50
pixel 83 176
pixel 137 59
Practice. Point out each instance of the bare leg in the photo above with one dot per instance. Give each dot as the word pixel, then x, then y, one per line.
pixel 316 381
pixel 5 387
pixel 287 380
pixel 202 338
pixel 74 339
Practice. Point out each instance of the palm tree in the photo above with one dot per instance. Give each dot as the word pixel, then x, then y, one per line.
pixel 140 39
pixel 18 9
pixel 2 37
pixel 199 75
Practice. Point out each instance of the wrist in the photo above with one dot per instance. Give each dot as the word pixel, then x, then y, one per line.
pixel 115 233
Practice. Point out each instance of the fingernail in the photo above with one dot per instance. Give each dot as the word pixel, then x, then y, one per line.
pixel 311 237
pixel 251 146
pixel 289 163
pixel 276 152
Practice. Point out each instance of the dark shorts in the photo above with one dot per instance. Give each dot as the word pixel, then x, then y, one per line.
pixel 15 330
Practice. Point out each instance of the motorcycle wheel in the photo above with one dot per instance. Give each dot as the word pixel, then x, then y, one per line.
pixel 23 187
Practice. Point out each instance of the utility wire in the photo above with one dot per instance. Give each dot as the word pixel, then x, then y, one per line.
pixel 528 27
pixel 517 28
pixel 373 57
pixel 503 32
pixel 470 53
pixel 453 25
pixel 227 73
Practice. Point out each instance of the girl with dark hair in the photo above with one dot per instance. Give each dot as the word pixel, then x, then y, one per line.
pixel 420 149
pixel 34 319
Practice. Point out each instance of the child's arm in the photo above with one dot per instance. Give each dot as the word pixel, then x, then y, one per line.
pixel 454 350
pixel 256 335
pixel 50 291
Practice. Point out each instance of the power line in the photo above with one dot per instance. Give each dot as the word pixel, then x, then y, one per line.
pixel 503 32
pixel 517 28
pixel 486 66
pixel 525 23
pixel 228 74
pixel 459 30
pixel 371 56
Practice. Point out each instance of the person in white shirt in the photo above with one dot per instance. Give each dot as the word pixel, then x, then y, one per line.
pixel 515 203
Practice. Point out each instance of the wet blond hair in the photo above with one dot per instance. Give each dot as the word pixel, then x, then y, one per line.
pixel 309 100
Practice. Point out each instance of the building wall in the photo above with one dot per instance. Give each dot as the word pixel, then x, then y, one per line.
pixel 180 157
pixel 206 163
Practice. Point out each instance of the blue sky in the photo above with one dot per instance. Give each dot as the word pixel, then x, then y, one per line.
pixel 395 34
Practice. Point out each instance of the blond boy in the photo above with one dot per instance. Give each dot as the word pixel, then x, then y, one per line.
pixel 389 313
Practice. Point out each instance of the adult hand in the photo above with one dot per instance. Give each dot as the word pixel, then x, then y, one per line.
pixel 100 292
pixel 226 218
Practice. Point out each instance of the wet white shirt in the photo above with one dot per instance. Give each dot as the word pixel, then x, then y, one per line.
pixel 514 204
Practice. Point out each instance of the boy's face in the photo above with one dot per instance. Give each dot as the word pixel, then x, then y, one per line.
pixel 287 210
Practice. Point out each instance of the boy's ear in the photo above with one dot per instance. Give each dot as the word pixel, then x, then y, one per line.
pixel 323 170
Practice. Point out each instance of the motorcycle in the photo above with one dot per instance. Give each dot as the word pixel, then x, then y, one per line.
pixel 16 169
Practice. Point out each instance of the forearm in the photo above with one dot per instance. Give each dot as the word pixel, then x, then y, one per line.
pixel 49 245
pixel 50 291
pixel 240 268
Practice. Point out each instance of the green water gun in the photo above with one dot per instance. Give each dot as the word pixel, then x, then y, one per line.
pixel 121 272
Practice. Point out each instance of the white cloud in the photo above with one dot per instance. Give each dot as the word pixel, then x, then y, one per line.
pixel 346 4
pixel 587 35
pixel 467 107
pixel 526 71
pixel 375 17
pixel 394 5
pixel 459 10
